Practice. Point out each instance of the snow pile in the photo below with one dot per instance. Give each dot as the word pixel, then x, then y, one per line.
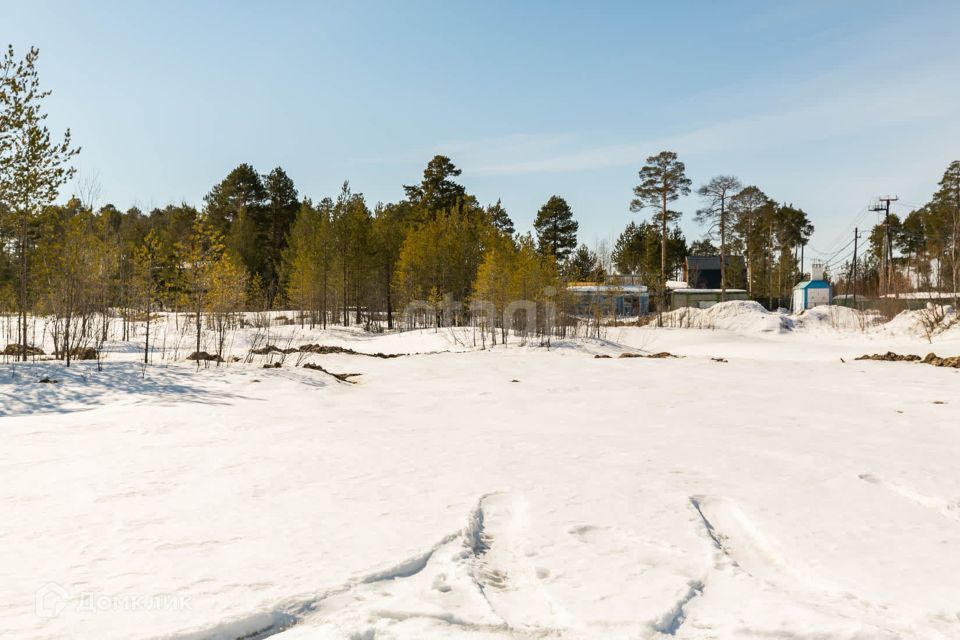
pixel 741 316
pixel 923 322
pixel 905 323
pixel 751 318
pixel 836 318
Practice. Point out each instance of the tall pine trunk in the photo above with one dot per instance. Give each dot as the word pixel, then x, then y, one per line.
pixel 23 296
pixel 723 250
pixel 389 298
pixel 663 259
pixel 146 343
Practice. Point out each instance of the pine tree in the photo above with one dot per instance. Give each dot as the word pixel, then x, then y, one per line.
pixel 146 271
pixel 703 247
pixel 912 241
pixel 791 229
pixel 226 286
pixel 533 274
pixel 749 207
pixel 556 229
pixel 947 199
pixel 501 220
pixel 437 193
pixel 491 287
pixel 583 266
pixel 662 181
pixel 351 224
pixel 236 209
pixel 443 254
pixel 387 240
pixel 629 250
pixel 302 261
pixel 198 255
pixel 716 215
pixel 281 208
pixel 32 166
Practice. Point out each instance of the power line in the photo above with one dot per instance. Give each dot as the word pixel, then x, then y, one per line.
pixel 904 203
pixel 858 218
pixel 828 258
pixel 840 261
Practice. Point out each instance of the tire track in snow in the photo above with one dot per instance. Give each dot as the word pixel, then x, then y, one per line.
pixel 290 612
pixel 947 509
pixel 715 536
pixel 744 548
pixel 673 619
pixel 485 564
pixel 477 543
pixel 500 567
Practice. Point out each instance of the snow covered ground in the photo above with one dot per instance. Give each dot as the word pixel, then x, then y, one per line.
pixel 515 492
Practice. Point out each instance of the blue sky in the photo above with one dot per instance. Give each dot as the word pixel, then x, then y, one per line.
pixel 823 104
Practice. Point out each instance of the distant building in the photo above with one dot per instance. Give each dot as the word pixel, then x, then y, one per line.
pixel 703 272
pixel 620 300
pixel 813 292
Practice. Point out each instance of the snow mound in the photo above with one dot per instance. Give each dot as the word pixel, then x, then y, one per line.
pixel 741 316
pixel 920 322
pixel 838 318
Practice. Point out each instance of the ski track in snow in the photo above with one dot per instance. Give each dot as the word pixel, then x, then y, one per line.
pixel 949 510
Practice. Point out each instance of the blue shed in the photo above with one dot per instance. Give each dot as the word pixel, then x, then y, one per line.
pixel 813 292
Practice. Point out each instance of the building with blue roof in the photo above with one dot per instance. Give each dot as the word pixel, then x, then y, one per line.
pixel 813 292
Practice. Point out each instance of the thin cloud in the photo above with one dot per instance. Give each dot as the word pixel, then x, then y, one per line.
pixel 846 110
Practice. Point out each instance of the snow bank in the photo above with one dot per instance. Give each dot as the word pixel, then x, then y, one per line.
pixel 742 316
pixel 920 322
pixel 836 318
pixel 751 318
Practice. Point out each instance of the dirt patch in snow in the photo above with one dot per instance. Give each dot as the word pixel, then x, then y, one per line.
pixel 81 353
pixel 321 349
pixel 931 359
pixel 342 377
pixel 203 356
pixel 14 349
pixel 661 354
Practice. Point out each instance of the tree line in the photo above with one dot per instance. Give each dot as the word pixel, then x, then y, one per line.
pixel 919 252
pixel 257 244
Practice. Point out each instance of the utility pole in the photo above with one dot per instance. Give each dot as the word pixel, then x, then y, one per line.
pixel 887 257
pixel 853 280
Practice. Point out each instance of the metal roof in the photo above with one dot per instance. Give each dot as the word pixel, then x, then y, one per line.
pixel 599 288
pixel 812 284
pixel 688 290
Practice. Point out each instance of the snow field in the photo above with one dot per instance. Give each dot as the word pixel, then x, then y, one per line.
pixel 782 494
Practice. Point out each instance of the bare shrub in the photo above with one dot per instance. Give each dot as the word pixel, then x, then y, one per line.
pixel 936 318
